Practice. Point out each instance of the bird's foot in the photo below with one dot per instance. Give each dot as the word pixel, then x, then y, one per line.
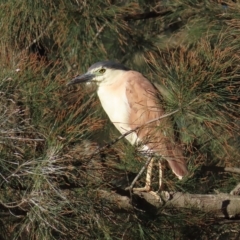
pixel 148 190
pixel 164 196
pixel 161 196
pixel 142 189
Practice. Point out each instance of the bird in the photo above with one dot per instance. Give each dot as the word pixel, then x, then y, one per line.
pixel 131 103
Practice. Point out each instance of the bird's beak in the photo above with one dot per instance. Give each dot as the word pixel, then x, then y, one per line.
pixel 82 78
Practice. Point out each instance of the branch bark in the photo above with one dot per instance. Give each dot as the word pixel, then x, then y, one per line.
pixel 134 130
pixel 220 205
pixel 236 190
pixel 221 169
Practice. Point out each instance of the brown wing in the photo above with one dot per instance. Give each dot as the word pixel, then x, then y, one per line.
pixel 144 105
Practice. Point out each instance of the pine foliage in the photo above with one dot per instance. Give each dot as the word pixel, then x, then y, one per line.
pixel 50 171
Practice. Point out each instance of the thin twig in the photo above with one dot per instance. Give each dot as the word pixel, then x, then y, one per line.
pixel 37 38
pixel 25 139
pixel 127 133
pixel 134 130
pixel 40 35
pixel 13 204
pixel 97 34
pixel 139 174
pixel 99 149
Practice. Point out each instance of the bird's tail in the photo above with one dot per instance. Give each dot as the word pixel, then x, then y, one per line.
pixel 156 141
pixel 177 161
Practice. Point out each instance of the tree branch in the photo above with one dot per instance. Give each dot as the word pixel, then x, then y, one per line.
pixel 97 34
pixel 232 170
pixel 120 202
pixel 139 174
pixel 134 130
pixel 221 169
pixel 40 35
pixel 236 190
pixel 221 205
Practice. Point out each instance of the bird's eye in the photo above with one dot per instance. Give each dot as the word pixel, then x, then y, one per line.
pixel 103 70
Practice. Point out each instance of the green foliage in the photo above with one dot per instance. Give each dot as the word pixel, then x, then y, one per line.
pixel 50 171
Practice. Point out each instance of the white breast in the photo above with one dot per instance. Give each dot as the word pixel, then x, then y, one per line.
pixel 116 106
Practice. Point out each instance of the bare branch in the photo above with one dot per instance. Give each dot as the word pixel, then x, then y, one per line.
pixel 232 170
pixel 236 190
pixel 120 202
pixel 220 205
pixel 134 130
pixel 129 132
pixel 40 35
pixel 221 169
pixel 25 139
pixel 97 34
pixel 139 174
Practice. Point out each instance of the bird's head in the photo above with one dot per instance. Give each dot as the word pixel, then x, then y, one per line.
pixel 101 72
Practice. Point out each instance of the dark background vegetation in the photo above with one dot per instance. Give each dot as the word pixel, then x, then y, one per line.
pixel 49 177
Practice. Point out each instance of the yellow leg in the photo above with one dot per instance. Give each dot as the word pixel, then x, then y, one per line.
pixel 148 178
pixel 160 176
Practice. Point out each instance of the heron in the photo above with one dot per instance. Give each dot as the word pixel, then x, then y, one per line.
pixel 131 103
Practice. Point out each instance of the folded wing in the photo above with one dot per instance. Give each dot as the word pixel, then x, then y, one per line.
pixel 156 136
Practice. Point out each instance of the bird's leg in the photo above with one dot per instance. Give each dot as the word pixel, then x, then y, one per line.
pixel 148 178
pixel 160 176
pixel 164 195
pixel 139 174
